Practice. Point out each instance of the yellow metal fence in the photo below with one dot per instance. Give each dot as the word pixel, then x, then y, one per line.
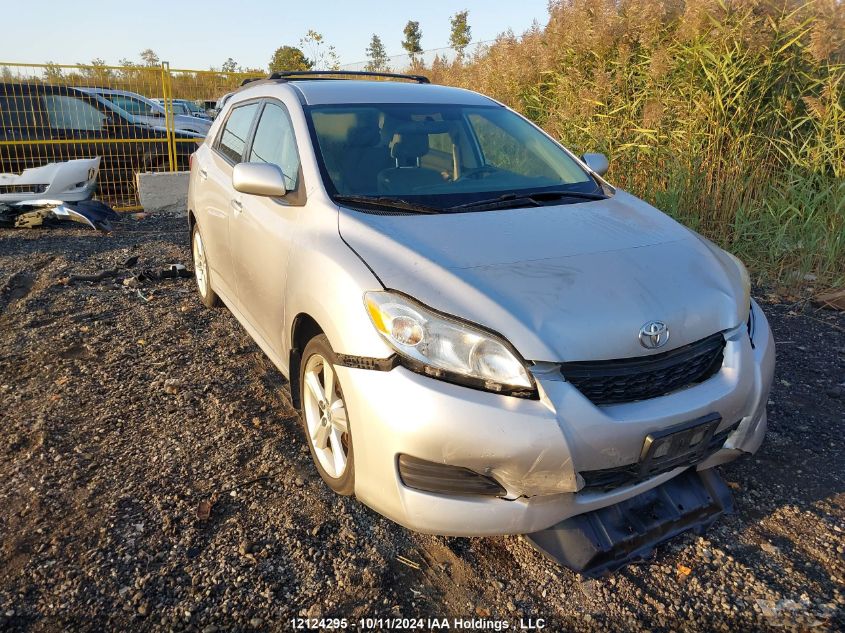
pixel 51 113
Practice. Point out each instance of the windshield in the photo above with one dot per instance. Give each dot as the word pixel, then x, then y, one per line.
pixel 193 107
pixel 441 156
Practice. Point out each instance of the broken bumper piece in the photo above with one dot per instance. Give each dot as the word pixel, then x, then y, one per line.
pixel 32 213
pixel 604 540
pixel 72 180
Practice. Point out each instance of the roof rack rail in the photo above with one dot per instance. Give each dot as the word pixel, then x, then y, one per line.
pixel 328 74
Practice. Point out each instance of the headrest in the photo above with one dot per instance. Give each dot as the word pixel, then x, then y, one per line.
pixel 409 145
pixel 427 127
pixel 363 136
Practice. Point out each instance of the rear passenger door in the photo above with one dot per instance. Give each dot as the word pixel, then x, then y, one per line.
pixel 263 228
pixel 215 194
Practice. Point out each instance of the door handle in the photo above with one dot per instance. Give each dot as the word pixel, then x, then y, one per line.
pixel 237 206
pixel 203 174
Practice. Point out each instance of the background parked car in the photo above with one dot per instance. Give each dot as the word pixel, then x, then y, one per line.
pixel 150 112
pixel 82 126
pixel 186 108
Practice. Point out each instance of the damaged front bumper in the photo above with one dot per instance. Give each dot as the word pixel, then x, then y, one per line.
pixel 532 453
pixel 70 181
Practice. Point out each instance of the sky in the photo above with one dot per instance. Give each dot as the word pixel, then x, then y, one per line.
pixel 198 34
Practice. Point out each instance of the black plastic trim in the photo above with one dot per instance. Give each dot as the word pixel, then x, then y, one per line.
pixel 584 374
pixel 299 75
pixel 446 479
pixel 365 362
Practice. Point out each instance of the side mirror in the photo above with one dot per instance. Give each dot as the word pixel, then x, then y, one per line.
pixel 597 162
pixel 259 179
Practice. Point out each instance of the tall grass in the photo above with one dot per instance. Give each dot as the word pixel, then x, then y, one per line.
pixel 728 115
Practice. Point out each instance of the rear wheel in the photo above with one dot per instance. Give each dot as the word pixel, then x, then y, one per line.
pixel 324 417
pixel 201 270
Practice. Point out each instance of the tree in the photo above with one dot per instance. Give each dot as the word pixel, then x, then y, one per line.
pixel 322 57
pixel 461 34
pixel 376 55
pixel 413 36
pixel 289 58
pixel 229 66
pixel 97 72
pixel 52 73
pixel 150 58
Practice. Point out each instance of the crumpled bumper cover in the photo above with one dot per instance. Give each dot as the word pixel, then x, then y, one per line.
pixel 69 181
pixel 606 539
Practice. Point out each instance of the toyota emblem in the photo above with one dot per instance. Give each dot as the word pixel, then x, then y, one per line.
pixel 654 334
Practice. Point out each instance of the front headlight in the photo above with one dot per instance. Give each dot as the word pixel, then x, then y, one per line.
pixel 446 348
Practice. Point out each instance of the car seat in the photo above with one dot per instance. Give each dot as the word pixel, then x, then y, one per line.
pixel 406 148
pixel 363 159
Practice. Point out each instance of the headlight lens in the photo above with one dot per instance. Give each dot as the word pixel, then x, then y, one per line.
pixel 444 347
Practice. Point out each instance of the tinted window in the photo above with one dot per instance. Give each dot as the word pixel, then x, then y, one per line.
pixel 502 149
pixel 70 113
pixel 440 155
pixel 17 113
pixel 234 135
pixel 274 143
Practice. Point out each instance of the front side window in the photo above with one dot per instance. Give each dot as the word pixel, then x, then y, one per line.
pixel 439 155
pixel 70 113
pixel 275 143
pixel 234 135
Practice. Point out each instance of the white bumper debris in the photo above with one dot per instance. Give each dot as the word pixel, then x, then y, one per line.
pixel 70 181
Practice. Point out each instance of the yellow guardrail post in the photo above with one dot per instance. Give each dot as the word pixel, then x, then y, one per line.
pixel 169 119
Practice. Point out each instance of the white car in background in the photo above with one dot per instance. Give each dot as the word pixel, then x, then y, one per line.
pixel 186 107
pixel 147 111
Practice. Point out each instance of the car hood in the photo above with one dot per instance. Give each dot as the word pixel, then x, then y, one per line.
pixel 192 121
pixel 563 282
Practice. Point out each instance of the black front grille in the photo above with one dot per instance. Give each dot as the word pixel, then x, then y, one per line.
pixel 641 378
pixel 23 188
pixel 611 478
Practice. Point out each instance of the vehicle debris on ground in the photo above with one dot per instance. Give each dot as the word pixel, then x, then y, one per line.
pixel 29 214
pixel 68 181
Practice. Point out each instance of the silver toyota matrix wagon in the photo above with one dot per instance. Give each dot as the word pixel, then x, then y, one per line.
pixel 482 334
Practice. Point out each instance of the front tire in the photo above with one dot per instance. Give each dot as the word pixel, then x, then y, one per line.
pixel 324 417
pixel 202 275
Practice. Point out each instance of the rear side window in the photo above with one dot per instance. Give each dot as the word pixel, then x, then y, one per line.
pixel 235 132
pixel 274 143
pixel 69 113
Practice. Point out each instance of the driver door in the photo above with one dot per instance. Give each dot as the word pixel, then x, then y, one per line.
pixel 263 228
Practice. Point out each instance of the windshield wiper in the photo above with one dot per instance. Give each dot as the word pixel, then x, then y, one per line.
pixel 387 202
pixel 511 200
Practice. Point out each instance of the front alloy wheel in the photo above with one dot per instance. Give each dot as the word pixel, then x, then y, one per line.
pixel 324 416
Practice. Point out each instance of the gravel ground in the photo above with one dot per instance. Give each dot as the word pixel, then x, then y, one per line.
pixel 123 410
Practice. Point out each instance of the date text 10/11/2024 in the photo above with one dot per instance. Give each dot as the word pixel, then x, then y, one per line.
pixel 418 624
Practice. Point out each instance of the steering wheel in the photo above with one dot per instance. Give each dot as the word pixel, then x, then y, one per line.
pixel 481 172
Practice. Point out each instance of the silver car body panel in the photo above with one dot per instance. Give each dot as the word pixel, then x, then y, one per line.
pixel 69 181
pixel 181 122
pixel 561 283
